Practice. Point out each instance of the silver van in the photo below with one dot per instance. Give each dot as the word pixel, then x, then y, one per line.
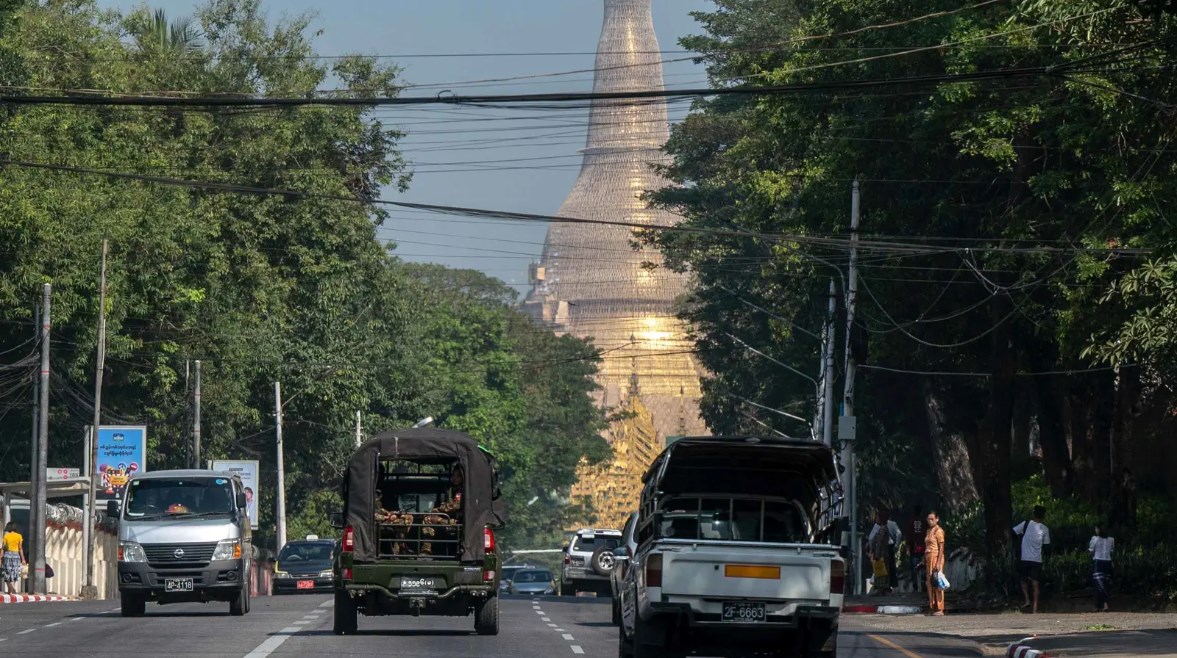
pixel 184 536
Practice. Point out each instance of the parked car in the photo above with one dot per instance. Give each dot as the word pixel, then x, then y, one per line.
pixel 622 555
pixel 730 558
pixel 588 559
pixel 532 581
pixel 304 565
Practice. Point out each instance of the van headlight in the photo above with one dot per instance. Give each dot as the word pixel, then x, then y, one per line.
pixel 227 549
pixel 130 551
pixel 326 573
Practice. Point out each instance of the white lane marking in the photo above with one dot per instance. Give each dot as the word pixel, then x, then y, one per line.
pixel 568 636
pixel 26 631
pixel 76 618
pixel 327 604
pixel 576 649
pixel 301 623
pixel 2 639
pixel 545 619
pixel 538 611
pixel 56 623
pixel 311 617
pixel 551 624
pixel 271 645
pixel 558 630
pixel 535 607
pixel 114 610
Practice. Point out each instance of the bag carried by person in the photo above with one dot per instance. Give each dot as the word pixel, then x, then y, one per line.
pixel 941 581
pixel 879 566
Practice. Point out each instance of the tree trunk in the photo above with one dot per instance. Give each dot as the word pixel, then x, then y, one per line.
pixel 1123 484
pixel 990 449
pixel 1023 420
pixel 1052 435
pixel 1103 417
pixel 958 489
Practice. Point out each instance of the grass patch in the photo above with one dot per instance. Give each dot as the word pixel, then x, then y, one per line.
pixel 1099 627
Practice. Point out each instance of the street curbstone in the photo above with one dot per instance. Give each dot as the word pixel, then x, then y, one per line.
pixel 1022 650
pixel 30 598
pixel 882 610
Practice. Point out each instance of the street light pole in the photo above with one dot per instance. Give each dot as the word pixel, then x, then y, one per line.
pixel 196 417
pixel 827 433
pixel 281 513
pixel 847 424
pixel 89 591
pixel 42 453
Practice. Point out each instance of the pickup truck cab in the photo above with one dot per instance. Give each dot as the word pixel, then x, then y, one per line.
pixel 729 557
pixel 184 536
pixel 421 508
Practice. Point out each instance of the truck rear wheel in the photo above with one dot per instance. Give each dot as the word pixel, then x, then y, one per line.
pixel 345 614
pixel 486 616
pixel 649 639
pixel 132 605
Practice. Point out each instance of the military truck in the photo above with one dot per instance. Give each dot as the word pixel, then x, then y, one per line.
pixel 420 511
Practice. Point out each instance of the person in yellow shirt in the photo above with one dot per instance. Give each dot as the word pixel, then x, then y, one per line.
pixel 933 563
pixel 13 555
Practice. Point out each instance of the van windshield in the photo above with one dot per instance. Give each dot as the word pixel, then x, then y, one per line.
pixel 200 496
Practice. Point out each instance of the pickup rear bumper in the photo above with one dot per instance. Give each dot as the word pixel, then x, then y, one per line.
pixel 802 616
pixel 808 626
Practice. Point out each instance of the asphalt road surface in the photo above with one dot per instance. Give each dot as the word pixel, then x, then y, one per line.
pixel 301 626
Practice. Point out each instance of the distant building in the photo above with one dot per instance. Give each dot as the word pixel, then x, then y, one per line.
pixel 590 281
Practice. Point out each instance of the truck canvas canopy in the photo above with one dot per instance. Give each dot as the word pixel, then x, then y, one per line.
pixel 481 504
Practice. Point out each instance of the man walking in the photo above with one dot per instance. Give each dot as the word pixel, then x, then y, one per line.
pixel 916 532
pixel 1035 537
pixel 934 554
pixel 883 540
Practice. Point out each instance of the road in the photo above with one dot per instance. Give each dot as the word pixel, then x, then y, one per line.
pixel 301 626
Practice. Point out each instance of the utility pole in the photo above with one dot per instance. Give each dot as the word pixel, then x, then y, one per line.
pixel 847 424
pixel 281 468
pixel 196 418
pixel 359 428
pixel 89 591
pixel 87 528
pixel 42 453
pixel 37 469
pixel 827 426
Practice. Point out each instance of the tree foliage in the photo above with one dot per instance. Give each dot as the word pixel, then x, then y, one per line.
pixel 259 288
pixel 1006 292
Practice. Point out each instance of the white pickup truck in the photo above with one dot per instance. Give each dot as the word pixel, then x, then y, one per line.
pixel 730 559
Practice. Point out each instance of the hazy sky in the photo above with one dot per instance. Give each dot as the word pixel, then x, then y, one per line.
pixel 503 160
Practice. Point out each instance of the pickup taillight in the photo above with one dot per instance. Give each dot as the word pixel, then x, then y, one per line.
pixel 654 570
pixel 837 577
pixel 488 540
pixel 348 544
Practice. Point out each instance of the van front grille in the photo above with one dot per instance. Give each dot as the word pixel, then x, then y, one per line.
pixel 179 555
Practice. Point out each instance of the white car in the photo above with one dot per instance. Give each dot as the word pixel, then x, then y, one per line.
pixel 588 560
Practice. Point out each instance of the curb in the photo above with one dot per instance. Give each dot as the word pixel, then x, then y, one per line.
pixel 1022 650
pixel 29 598
pixel 882 610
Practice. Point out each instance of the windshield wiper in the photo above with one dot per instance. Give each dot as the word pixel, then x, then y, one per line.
pixel 186 515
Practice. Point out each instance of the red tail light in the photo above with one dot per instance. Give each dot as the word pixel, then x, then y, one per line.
pixel 488 540
pixel 348 544
pixel 567 559
pixel 347 574
pixel 654 570
pixel 488 575
pixel 837 577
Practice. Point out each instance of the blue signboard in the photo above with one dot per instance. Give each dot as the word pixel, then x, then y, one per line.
pixel 122 451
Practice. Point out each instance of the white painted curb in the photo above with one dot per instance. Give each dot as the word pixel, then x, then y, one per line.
pixel 899 610
pixel 28 598
pixel 1021 650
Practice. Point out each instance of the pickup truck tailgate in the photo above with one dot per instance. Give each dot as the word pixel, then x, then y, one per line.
pixel 753 571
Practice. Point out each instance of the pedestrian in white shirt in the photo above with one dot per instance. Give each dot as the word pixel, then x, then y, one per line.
pixel 883 541
pixel 1035 536
pixel 1101 547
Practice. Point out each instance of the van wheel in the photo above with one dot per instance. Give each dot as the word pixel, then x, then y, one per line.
pixel 240 604
pixel 486 616
pixel 345 614
pixel 132 605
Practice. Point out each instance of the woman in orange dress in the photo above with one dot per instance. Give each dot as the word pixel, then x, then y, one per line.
pixel 934 563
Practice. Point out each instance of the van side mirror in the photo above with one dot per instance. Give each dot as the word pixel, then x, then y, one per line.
pixel 112 508
pixel 241 502
pixel 337 520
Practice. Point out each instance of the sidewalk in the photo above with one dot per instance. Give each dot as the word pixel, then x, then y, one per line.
pixel 1057 634
pixel 906 603
pixel 1106 644
pixel 31 598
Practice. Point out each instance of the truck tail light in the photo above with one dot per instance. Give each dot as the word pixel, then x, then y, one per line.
pixel 488 575
pixel 654 570
pixel 567 559
pixel 837 577
pixel 347 574
pixel 488 540
pixel 348 545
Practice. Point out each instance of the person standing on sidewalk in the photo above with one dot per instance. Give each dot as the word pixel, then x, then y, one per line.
pixel 934 555
pixel 916 532
pixel 1101 547
pixel 883 540
pixel 1035 538
pixel 13 545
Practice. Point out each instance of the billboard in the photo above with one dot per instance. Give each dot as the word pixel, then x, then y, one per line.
pixel 247 470
pixel 122 451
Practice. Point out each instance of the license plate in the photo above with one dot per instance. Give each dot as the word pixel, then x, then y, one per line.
pixel 305 584
pixel 421 583
pixel 177 584
pixel 743 612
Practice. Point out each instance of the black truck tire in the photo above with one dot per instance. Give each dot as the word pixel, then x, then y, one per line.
pixel 486 616
pixel 132 604
pixel 649 639
pixel 624 644
pixel 240 603
pixel 345 615
pixel 602 561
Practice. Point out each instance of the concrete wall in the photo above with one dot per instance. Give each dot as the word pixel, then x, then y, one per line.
pixel 65 552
